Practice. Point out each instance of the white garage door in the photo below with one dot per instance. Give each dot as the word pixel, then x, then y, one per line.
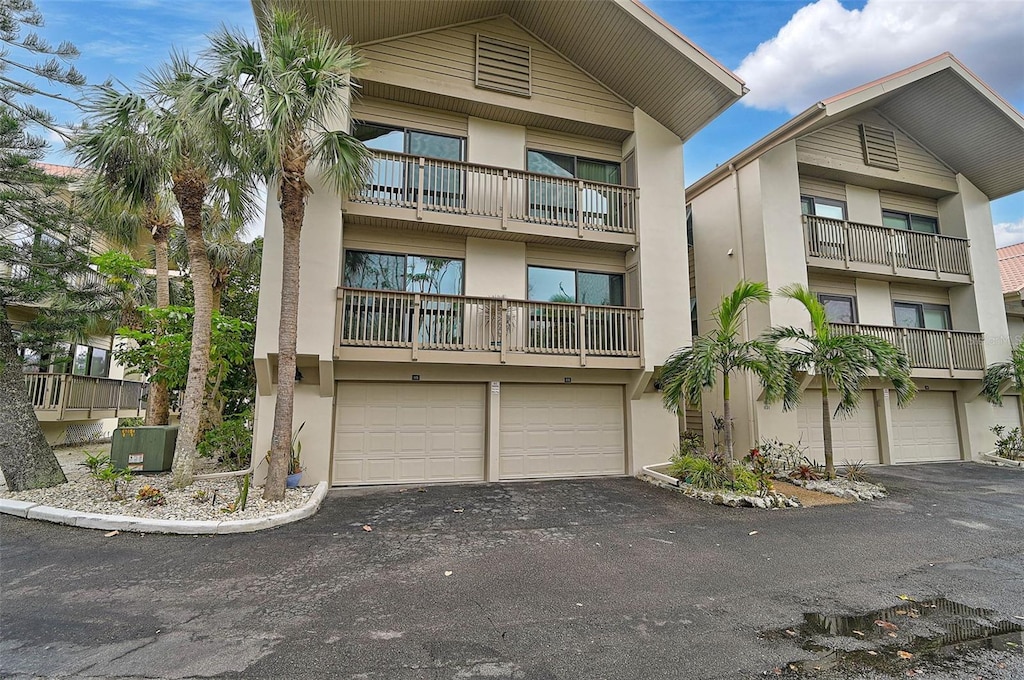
pixel 408 432
pixel 561 431
pixel 926 430
pixel 854 436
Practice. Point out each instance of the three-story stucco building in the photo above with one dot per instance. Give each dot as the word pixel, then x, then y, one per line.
pixel 495 303
pixel 877 200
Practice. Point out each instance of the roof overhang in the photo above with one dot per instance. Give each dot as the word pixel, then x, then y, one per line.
pixel 941 104
pixel 620 43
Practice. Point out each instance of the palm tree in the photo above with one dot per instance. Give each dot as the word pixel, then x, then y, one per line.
pixel 841 361
pixel 1003 376
pixel 691 370
pixel 285 101
pixel 128 192
pixel 225 248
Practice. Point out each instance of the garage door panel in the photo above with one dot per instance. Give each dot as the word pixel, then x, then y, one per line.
pixel 926 429
pixel 854 436
pixel 404 433
pixel 561 431
pixel 1007 415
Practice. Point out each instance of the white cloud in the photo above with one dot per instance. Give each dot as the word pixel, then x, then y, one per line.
pixel 1009 233
pixel 826 49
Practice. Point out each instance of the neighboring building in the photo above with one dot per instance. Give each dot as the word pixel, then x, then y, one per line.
pixel 79 395
pixel 877 200
pixel 496 302
pixel 1011 273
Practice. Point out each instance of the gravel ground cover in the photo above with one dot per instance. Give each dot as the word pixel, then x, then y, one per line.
pixel 203 500
pixel 841 487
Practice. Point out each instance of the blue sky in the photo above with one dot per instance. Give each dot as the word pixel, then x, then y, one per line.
pixel 791 53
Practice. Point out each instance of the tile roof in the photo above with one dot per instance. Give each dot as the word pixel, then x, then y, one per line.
pixel 60 170
pixel 1011 267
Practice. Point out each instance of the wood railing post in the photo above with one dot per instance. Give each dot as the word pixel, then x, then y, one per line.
pixel 640 335
pixel 892 249
pixel 117 400
pixel 905 340
pixel 92 397
pixel 506 198
pixel 419 188
pixel 415 326
pixel 583 334
pixel 949 349
pixel 579 207
pixel 935 249
pixel 807 237
pixel 504 322
pixel 846 244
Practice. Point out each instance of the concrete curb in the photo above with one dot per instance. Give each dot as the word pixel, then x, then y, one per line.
pixel 992 458
pixel 91 520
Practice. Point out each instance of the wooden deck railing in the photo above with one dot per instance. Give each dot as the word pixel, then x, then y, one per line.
pixel 432 185
pixel 952 350
pixel 852 243
pixel 61 393
pixel 426 321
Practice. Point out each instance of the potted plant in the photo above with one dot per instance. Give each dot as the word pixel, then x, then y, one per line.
pixel 295 460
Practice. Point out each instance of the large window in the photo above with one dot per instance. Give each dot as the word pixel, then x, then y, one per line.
pixel 548 284
pixel 396 180
pixel 412 273
pixel 555 201
pixel 839 308
pixel 921 315
pixel 910 222
pixel 823 207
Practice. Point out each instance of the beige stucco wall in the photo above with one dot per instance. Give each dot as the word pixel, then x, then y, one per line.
pixel 495 268
pixel 874 304
pixel 863 205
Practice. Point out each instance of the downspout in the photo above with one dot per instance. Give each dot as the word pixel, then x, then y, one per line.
pixel 751 421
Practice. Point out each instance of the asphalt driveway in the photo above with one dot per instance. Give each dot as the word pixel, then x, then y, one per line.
pixel 590 579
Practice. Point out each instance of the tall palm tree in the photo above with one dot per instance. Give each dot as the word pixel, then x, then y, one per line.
pixel 226 249
pixel 286 99
pixel 841 361
pixel 1003 376
pixel 129 191
pixel 720 353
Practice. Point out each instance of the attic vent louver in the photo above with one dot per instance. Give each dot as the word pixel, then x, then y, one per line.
pixel 879 147
pixel 502 66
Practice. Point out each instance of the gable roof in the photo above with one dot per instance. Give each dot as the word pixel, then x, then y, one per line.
pixel 1011 267
pixel 621 43
pixel 941 104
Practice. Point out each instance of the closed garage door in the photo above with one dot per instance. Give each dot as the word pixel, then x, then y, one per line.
pixel 926 429
pixel 408 432
pixel 854 436
pixel 561 431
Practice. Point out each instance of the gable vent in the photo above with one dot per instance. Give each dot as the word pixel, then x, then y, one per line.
pixel 502 66
pixel 879 147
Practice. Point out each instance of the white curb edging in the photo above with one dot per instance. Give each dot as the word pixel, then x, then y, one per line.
pixel 992 458
pixel 91 520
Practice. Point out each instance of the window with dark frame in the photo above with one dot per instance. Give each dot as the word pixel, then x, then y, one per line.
pixel 921 315
pixel 550 284
pixel 396 180
pixel 823 207
pixel 839 308
pixel 556 200
pixel 910 222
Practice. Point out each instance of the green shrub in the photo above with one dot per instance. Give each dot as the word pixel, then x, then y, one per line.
pixel 699 471
pixel 230 442
pixel 1009 443
pixel 131 422
pixel 743 480
pixel 691 444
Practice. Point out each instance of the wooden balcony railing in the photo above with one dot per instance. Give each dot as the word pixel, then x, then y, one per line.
pixel 938 349
pixel 854 244
pixel 439 186
pixel 426 321
pixel 63 394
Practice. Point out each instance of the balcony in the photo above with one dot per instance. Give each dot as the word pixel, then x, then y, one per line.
pixel 62 396
pixel 487 200
pixel 377 325
pixel 886 252
pixel 933 353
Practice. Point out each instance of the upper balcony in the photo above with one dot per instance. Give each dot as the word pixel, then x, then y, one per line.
pixel 487 201
pixel 63 396
pixel 885 252
pixel 397 326
pixel 932 353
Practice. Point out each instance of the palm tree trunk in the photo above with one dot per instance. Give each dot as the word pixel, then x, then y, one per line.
pixel 26 460
pixel 826 429
pixel 190 190
pixel 727 415
pixel 217 293
pixel 159 404
pixel 293 211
